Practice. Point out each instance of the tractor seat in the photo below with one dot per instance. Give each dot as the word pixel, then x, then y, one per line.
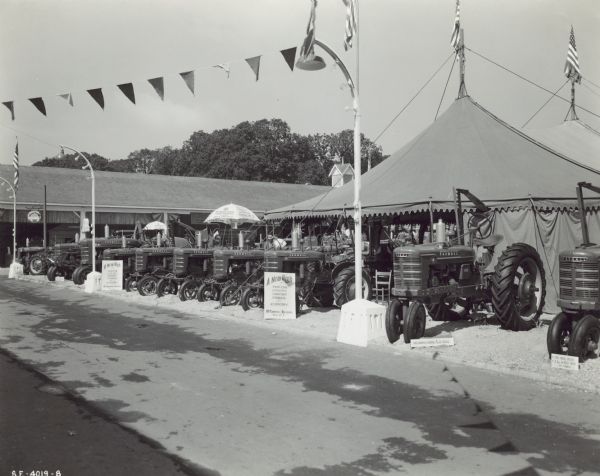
pixel 488 242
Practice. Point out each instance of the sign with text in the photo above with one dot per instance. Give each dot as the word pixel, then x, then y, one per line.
pixel 280 296
pixel 564 362
pixel 112 275
pixel 431 342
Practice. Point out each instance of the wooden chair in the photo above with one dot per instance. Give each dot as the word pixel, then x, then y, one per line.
pixel 382 286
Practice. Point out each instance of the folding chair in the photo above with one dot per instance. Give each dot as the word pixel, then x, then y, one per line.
pixel 383 283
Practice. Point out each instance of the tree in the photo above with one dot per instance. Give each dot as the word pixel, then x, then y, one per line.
pixel 71 161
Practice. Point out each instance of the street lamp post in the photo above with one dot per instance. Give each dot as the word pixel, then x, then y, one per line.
pixel 315 63
pixel 14 253
pixel 89 166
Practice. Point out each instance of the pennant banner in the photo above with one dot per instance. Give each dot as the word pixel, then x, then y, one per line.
pixel 188 77
pixel 97 95
pixel 127 90
pixel 39 104
pixel 254 64
pixel 159 86
pixel 67 97
pixel 11 108
pixel 290 56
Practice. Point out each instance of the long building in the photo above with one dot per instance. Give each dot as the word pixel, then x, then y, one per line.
pixel 124 199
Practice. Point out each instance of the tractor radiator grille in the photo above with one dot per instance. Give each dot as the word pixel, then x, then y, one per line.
pixel 179 264
pixel 139 262
pixel 579 278
pixel 407 273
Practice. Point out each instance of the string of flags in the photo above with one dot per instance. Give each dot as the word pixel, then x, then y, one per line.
pixel 158 84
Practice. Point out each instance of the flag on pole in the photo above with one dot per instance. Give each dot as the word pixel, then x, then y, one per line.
pixel 455 39
pixel 308 46
pixel 350 22
pixel 572 64
pixel 16 166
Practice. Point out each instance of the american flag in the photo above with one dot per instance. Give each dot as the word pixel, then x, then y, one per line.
pixel 308 47
pixel 350 22
pixel 455 39
pixel 16 165
pixel 572 64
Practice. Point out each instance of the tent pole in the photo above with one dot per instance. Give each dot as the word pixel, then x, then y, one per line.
pixel 430 221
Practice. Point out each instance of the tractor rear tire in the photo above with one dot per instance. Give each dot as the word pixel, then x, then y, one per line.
pixel 188 290
pixel 585 338
pixel 51 274
pixel 166 286
pixel 559 334
pixel 414 322
pixel 230 295
pixel 147 285
pixel 393 320
pixel 519 288
pixel 252 298
pixel 343 287
pixel 37 265
pixel 208 292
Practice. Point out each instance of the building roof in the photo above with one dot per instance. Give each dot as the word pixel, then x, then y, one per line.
pixel 467 147
pixel 343 169
pixel 115 191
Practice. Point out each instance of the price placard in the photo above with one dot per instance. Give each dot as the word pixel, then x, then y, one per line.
pixel 564 362
pixel 431 342
pixel 280 296
pixel 112 275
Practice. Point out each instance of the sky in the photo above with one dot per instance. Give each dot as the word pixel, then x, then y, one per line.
pixel 52 47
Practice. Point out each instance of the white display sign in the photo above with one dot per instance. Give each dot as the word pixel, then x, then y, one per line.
pixel 431 342
pixel 564 362
pixel 112 275
pixel 280 296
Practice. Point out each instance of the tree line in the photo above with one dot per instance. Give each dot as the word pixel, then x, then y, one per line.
pixel 264 150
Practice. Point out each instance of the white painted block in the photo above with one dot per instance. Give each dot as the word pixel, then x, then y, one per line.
pixel 361 321
pixel 15 270
pixel 93 282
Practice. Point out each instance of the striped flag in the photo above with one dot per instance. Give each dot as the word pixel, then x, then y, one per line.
pixel 455 39
pixel 350 22
pixel 308 46
pixel 572 64
pixel 16 165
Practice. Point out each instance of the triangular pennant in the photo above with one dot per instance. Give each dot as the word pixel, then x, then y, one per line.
pixel 290 56
pixel 97 95
pixel 127 90
pixel 188 77
pixel 67 97
pixel 254 64
pixel 39 104
pixel 11 108
pixel 159 86
pixel 507 447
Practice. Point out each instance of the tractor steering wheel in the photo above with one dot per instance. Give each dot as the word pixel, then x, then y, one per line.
pixel 481 225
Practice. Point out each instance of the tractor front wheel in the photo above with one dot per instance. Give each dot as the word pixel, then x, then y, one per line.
pixel 414 325
pixel 36 265
pixel 519 287
pixel 208 292
pixel 51 274
pixel 559 334
pixel 130 283
pixel 585 338
pixel 188 290
pixel 166 286
pixel 393 320
pixel 230 295
pixel 343 286
pixel 252 298
pixel 147 285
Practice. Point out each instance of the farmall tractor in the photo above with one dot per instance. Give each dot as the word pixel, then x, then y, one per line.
pixel 87 252
pixel 63 260
pixel 450 279
pixel 233 271
pixel 576 330
pixel 33 259
pixel 125 255
pixel 191 266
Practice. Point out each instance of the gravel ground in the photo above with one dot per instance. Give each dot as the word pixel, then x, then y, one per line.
pixel 479 343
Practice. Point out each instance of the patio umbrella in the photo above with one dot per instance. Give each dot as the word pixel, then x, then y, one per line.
pixel 232 214
pixel 155 225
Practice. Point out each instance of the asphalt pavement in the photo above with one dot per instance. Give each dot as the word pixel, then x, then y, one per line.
pixel 229 398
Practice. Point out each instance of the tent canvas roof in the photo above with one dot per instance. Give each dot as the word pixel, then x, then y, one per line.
pixel 573 138
pixel 467 147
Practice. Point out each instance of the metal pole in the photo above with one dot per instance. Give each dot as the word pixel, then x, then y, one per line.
pixel 45 239
pixel 14 253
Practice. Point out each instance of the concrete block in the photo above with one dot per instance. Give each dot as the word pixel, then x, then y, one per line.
pixel 15 270
pixel 93 282
pixel 361 321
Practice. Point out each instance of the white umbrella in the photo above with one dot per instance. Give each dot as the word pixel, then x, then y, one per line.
pixel 232 214
pixel 155 225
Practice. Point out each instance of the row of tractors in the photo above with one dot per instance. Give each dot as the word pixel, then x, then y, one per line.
pixel 447 280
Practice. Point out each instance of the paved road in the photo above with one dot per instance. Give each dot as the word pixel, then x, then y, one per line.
pixel 232 398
